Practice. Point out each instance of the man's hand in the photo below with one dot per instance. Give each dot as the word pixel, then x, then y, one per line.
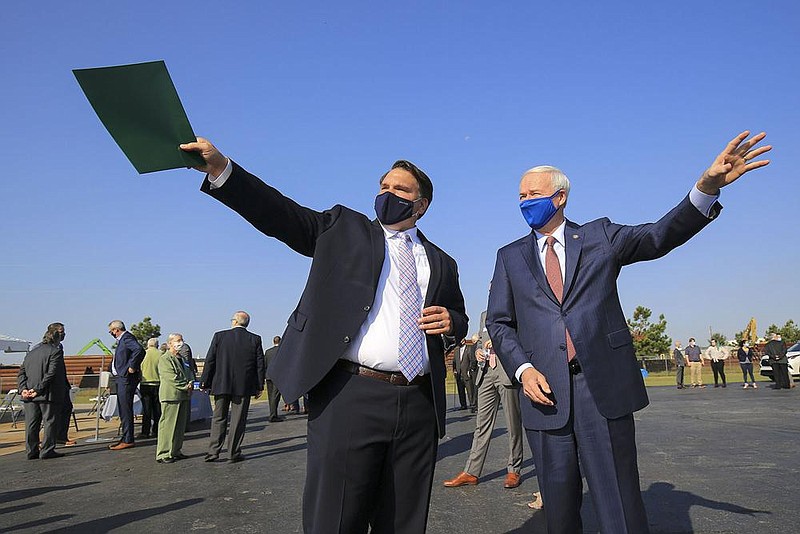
pixel 733 162
pixel 435 320
pixel 215 160
pixel 480 356
pixel 131 370
pixel 535 386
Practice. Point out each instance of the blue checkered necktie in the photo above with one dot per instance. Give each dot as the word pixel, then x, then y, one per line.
pixel 409 354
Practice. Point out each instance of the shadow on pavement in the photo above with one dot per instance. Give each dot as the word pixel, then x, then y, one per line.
pixel 106 524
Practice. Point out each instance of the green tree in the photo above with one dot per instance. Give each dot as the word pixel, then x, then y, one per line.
pixel 649 339
pixel 719 338
pixel 145 330
pixel 789 332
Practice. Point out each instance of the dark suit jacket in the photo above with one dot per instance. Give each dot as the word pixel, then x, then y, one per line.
pixel 269 354
pixel 776 351
pixel 348 254
pixel 234 364
pixel 128 354
pixel 527 323
pixel 43 370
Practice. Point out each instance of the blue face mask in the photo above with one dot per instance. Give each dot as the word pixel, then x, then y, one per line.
pixel 538 211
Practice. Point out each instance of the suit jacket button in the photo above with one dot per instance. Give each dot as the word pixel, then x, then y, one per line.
pixel 563 346
pixel 346 339
pixel 367 308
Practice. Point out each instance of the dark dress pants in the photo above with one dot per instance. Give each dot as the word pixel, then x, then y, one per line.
pixel 780 371
pixel 41 416
pixel 274 397
pixel 238 407
pixel 718 368
pixel 63 420
pixel 679 375
pixel 462 392
pixel 604 450
pixel 151 408
pixel 371 455
pixel 126 388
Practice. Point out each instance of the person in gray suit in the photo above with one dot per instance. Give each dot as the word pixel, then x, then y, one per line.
pixel 494 386
pixel 465 366
pixel 42 382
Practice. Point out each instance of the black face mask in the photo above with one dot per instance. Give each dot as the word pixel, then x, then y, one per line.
pixel 392 209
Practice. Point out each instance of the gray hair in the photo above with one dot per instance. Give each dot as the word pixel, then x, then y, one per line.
pixel 174 336
pixel 558 178
pixel 152 342
pixel 241 318
pixel 117 325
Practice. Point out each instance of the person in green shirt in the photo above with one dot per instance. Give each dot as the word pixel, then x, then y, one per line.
pixel 148 389
pixel 176 383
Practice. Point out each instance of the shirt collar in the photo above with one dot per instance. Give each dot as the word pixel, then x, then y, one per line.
pixel 412 233
pixel 558 233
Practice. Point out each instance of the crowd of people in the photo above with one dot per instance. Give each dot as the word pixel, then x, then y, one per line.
pixel 716 356
pixel 367 341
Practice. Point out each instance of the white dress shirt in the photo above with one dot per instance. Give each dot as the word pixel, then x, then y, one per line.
pixel 376 344
pixel 699 200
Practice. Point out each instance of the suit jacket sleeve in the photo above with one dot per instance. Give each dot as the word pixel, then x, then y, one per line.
pixel 211 363
pixel 22 379
pixel 501 320
pixel 649 241
pixel 259 356
pixel 270 212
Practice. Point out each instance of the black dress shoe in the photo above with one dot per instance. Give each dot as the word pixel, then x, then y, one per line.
pixel 50 455
pixel 276 419
pixel 210 458
pixel 143 436
pixel 180 456
pixel 166 460
pixel 237 459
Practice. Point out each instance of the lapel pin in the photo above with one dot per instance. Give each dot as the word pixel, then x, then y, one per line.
pixel 575 236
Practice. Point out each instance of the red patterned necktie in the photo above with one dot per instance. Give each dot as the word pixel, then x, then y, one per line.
pixel 552 269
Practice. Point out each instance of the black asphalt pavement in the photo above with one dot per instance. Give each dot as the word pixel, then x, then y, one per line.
pixel 711 460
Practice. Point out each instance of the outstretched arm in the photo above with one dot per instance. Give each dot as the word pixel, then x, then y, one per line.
pixel 735 160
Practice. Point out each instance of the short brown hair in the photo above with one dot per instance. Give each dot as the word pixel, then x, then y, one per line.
pixel 425 184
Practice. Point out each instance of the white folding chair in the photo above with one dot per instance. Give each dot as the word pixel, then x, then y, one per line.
pixel 98 405
pixel 8 404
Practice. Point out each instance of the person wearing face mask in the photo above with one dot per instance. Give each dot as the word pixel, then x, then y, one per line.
pixel 43 385
pixel 176 379
pixel 717 356
pixel 365 342
pixel 148 390
pixel 745 356
pixel 557 325
pixel 695 358
pixel 126 367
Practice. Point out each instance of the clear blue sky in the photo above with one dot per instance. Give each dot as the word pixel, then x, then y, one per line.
pixel 632 100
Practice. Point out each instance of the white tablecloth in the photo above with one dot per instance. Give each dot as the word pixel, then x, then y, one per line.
pixel 200 407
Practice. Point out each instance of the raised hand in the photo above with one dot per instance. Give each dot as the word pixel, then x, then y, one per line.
pixel 733 162
pixel 215 160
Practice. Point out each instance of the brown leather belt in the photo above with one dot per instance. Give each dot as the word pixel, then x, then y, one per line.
pixel 394 378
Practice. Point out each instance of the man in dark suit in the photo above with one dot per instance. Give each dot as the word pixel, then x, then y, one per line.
pixel 557 324
pixel 126 367
pixel 776 351
pixel 43 385
pixel 464 366
pixel 273 395
pixel 234 372
pixel 364 341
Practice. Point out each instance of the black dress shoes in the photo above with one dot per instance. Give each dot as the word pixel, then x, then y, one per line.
pixel 237 459
pixel 166 460
pixel 50 455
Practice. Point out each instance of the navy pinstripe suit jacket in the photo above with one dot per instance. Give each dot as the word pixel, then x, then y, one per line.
pixel 527 323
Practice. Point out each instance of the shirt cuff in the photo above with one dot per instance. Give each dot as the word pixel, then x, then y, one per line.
pixel 521 369
pixel 702 201
pixel 220 180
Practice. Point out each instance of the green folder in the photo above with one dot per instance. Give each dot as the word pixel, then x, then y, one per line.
pixel 140 108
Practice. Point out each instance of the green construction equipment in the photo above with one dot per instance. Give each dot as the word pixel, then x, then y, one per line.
pixel 92 343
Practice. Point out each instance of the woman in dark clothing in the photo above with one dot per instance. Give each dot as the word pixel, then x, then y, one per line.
pixel 745 354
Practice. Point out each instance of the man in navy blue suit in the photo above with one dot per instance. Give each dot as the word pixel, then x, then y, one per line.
pixel 126 368
pixel 557 324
